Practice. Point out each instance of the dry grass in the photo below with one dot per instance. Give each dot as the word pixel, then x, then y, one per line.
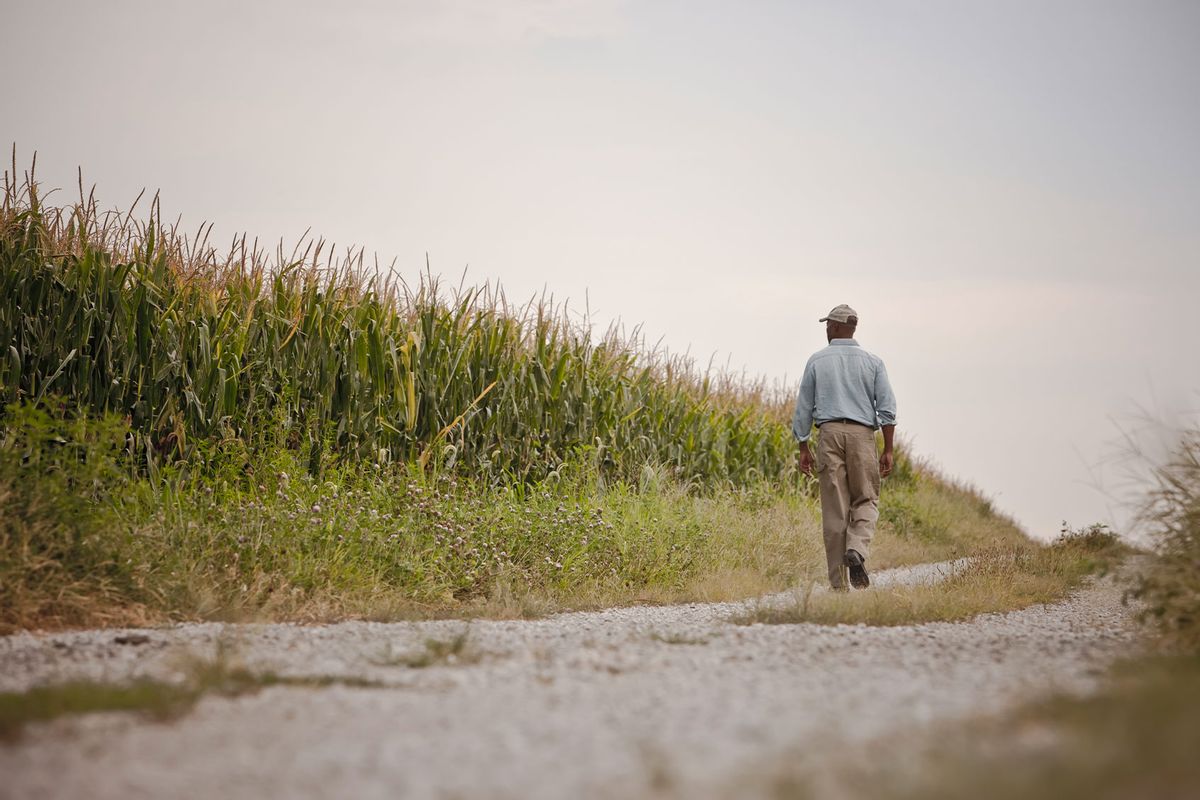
pixel 995 579
pixel 1136 738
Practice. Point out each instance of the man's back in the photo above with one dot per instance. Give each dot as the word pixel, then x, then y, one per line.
pixel 844 381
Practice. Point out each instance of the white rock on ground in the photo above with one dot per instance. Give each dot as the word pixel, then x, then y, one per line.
pixel 624 703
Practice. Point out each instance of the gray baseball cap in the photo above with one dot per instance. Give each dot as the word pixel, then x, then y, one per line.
pixel 842 313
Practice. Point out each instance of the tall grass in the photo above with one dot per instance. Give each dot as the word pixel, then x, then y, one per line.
pixel 335 358
pixel 1170 587
pixel 304 435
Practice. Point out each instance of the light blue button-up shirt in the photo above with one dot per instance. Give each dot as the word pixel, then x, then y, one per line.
pixel 843 381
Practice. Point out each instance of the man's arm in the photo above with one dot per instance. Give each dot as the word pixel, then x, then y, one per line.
pixel 885 408
pixel 802 418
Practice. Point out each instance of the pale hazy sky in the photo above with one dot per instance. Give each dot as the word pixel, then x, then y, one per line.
pixel 1007 191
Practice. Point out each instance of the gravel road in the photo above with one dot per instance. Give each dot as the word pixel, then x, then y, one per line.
pixel 627 703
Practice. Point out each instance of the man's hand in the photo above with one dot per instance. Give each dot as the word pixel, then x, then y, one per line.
pixel 885 460
pixel 806 459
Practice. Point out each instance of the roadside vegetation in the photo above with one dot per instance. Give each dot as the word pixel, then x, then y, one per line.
pixel 187 434
pixel 993 579
pixel 220 675
pixel 1134 737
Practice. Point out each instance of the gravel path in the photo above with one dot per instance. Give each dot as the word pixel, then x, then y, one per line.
pixel 633 702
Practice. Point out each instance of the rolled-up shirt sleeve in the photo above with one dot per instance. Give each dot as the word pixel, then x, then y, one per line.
pixel 802 418
pixel 885 399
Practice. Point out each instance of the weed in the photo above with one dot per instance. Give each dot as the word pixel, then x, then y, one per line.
pixel 675 637
pixel 455 650
pixel 157 700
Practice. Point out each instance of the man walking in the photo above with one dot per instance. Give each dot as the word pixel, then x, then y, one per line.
pixel 845 392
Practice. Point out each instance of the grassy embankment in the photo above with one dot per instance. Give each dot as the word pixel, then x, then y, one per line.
pixel 188 435
pixel 1135 737
pixel 994 579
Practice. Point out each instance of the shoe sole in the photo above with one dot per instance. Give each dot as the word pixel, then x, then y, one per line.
pixel 858 577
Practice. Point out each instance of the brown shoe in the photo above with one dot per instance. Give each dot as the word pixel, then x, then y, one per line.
pixel 858 570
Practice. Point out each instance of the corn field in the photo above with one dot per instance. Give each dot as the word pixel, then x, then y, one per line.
pixel 337 358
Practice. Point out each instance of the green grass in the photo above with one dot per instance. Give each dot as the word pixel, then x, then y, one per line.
pixel 85 543
pixel 995 579
pixel 152 699
pixel 927 516
pixel 194 435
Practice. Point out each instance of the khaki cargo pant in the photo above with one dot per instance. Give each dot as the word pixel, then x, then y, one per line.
pixel 848 470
